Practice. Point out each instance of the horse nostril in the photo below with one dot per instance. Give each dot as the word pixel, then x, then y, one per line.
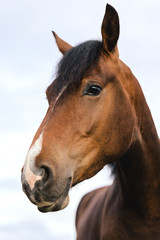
pixel 47 175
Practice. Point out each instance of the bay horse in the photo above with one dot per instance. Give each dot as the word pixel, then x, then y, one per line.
pixel 97 115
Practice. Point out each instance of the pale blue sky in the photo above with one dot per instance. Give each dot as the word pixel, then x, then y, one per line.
pixel 28 56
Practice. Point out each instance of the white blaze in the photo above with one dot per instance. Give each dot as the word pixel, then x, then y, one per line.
pixel 31 173
pixel 59 95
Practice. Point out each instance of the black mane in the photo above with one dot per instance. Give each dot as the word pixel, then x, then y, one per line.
pixel 75 63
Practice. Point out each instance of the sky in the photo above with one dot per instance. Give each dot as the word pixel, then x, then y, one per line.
pixel 28 59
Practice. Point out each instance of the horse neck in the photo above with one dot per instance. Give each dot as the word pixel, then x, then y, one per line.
pixel 138 169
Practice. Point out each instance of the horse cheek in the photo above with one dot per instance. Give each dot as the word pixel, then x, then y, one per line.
pixel 118 134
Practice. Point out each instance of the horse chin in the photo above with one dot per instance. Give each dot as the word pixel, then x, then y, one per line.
pixel 59 204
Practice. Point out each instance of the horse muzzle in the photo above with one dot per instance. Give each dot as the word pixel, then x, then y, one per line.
pixel 49 193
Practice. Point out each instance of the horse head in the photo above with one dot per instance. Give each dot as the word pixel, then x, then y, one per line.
pixel 90 121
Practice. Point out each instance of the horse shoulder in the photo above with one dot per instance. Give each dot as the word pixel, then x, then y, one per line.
pixel 89 214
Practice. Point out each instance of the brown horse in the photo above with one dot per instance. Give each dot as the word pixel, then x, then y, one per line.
pixel 97 115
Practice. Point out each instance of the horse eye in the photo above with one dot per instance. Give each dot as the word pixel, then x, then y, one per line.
pixel 93 90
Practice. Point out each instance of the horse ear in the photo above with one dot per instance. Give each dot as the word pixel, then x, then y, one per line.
pixel 110 29
pixel 62 45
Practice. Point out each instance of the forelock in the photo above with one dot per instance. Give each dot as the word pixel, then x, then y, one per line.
pixel 75 63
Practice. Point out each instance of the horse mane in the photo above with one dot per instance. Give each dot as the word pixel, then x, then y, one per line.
pixel 74 65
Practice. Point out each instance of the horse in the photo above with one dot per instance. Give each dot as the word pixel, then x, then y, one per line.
pixel 97 116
